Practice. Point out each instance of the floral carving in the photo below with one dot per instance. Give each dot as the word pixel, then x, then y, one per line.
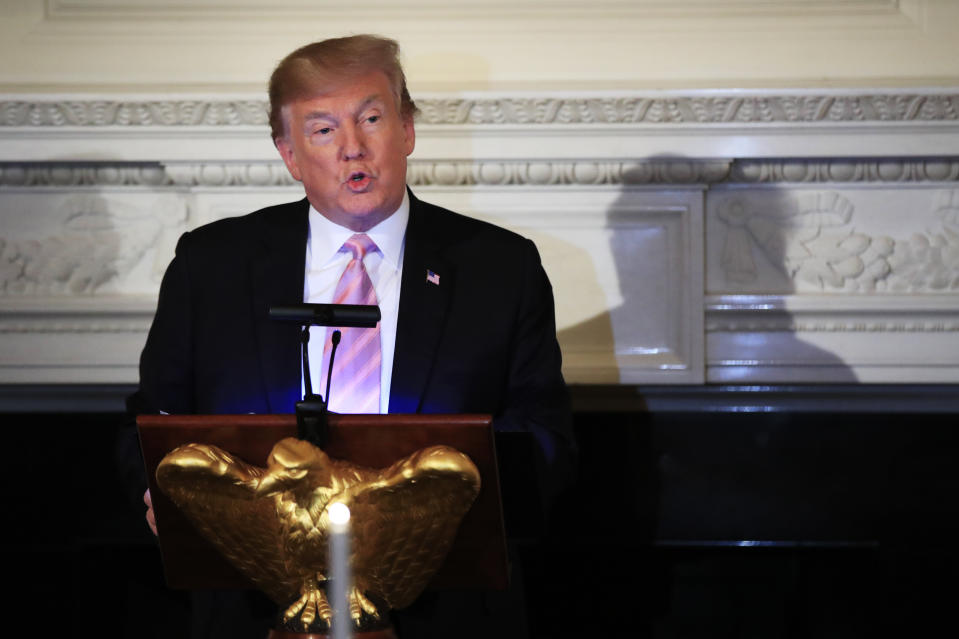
pixel 813 242
pixel 134 113
pixel 98 243
pixel 512 110
pixel 930 261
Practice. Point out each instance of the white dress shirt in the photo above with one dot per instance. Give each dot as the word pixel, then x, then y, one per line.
pixel 325 263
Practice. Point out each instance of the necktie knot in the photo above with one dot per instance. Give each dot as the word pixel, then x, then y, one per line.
pixel 359 245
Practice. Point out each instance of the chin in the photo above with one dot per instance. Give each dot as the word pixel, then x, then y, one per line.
pixel 372 208
pixel 363 220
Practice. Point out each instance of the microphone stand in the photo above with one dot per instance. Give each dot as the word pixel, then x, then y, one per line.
pixel 312 412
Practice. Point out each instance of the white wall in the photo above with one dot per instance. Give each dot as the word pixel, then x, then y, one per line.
pixel 455 45
pixel 743 191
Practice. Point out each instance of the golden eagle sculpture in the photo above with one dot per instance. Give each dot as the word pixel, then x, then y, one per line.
pixel 272 523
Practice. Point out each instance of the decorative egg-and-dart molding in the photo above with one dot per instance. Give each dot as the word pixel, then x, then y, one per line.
pixel 464 173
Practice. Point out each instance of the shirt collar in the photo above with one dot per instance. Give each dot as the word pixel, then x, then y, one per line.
pixel 327 237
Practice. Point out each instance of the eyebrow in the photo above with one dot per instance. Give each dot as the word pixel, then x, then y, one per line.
pixel 324 115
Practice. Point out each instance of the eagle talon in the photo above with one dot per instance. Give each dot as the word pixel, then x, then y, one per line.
pixel 311 604
pixel 359 604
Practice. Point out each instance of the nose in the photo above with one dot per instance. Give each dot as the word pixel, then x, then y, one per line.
pixel 353 144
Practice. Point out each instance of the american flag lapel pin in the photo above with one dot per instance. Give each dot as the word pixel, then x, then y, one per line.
pixel 432 278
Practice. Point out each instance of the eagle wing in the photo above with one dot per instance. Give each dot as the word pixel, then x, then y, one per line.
pixel 404 521
pixel 216 491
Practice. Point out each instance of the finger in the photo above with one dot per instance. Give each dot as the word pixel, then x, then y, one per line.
pixel 151 521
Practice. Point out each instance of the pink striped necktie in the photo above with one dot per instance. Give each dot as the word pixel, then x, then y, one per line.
pixel 356 369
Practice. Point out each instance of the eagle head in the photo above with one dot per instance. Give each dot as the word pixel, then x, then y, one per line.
pixel 293 463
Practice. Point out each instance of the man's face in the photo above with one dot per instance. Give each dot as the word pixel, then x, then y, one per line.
pixel 348 147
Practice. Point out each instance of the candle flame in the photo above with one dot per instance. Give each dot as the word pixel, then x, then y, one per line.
pixel 339 513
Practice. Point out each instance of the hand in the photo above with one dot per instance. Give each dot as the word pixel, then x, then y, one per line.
pixel 151 520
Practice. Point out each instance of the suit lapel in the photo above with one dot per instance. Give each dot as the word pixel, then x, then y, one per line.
pixel 422 311
pixel 276 279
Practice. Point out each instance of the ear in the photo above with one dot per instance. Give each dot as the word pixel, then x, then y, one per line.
pixel 288 153
pixel 409 131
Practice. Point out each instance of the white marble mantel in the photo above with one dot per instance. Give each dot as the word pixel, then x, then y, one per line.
pixel 701 236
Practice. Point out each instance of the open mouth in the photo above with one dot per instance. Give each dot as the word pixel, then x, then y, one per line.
pixel 358 180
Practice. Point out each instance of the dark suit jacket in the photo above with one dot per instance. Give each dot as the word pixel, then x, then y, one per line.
pixel 482 341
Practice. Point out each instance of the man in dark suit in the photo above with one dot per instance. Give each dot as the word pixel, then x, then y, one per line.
pixel 468 321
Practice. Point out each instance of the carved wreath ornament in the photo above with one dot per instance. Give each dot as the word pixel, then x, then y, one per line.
pixel 812 240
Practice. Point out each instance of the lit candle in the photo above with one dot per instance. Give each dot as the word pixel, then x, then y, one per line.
pixel 342 627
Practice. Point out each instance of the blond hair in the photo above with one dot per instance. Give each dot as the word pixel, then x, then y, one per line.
pixel 313 69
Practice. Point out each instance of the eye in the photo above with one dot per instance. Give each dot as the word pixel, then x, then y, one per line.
pixel 373 119
pixel 324 131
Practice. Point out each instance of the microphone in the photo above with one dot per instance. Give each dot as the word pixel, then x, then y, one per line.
pixel 304 348
pixel 356 315
pixel 335 341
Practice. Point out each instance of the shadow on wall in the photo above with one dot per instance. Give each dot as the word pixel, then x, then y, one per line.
pixel 79 255
pixel 630 279
pixel 766 243
pixel 72 240
pixel 764 250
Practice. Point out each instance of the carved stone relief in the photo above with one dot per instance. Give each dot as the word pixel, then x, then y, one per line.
pixel 677 109
pixel 87 243
pixel 499 173
pixel 419 173
pixel 565 173
pixel 819 243
pixel 56 113
pixel 83 174
pixel 843 170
